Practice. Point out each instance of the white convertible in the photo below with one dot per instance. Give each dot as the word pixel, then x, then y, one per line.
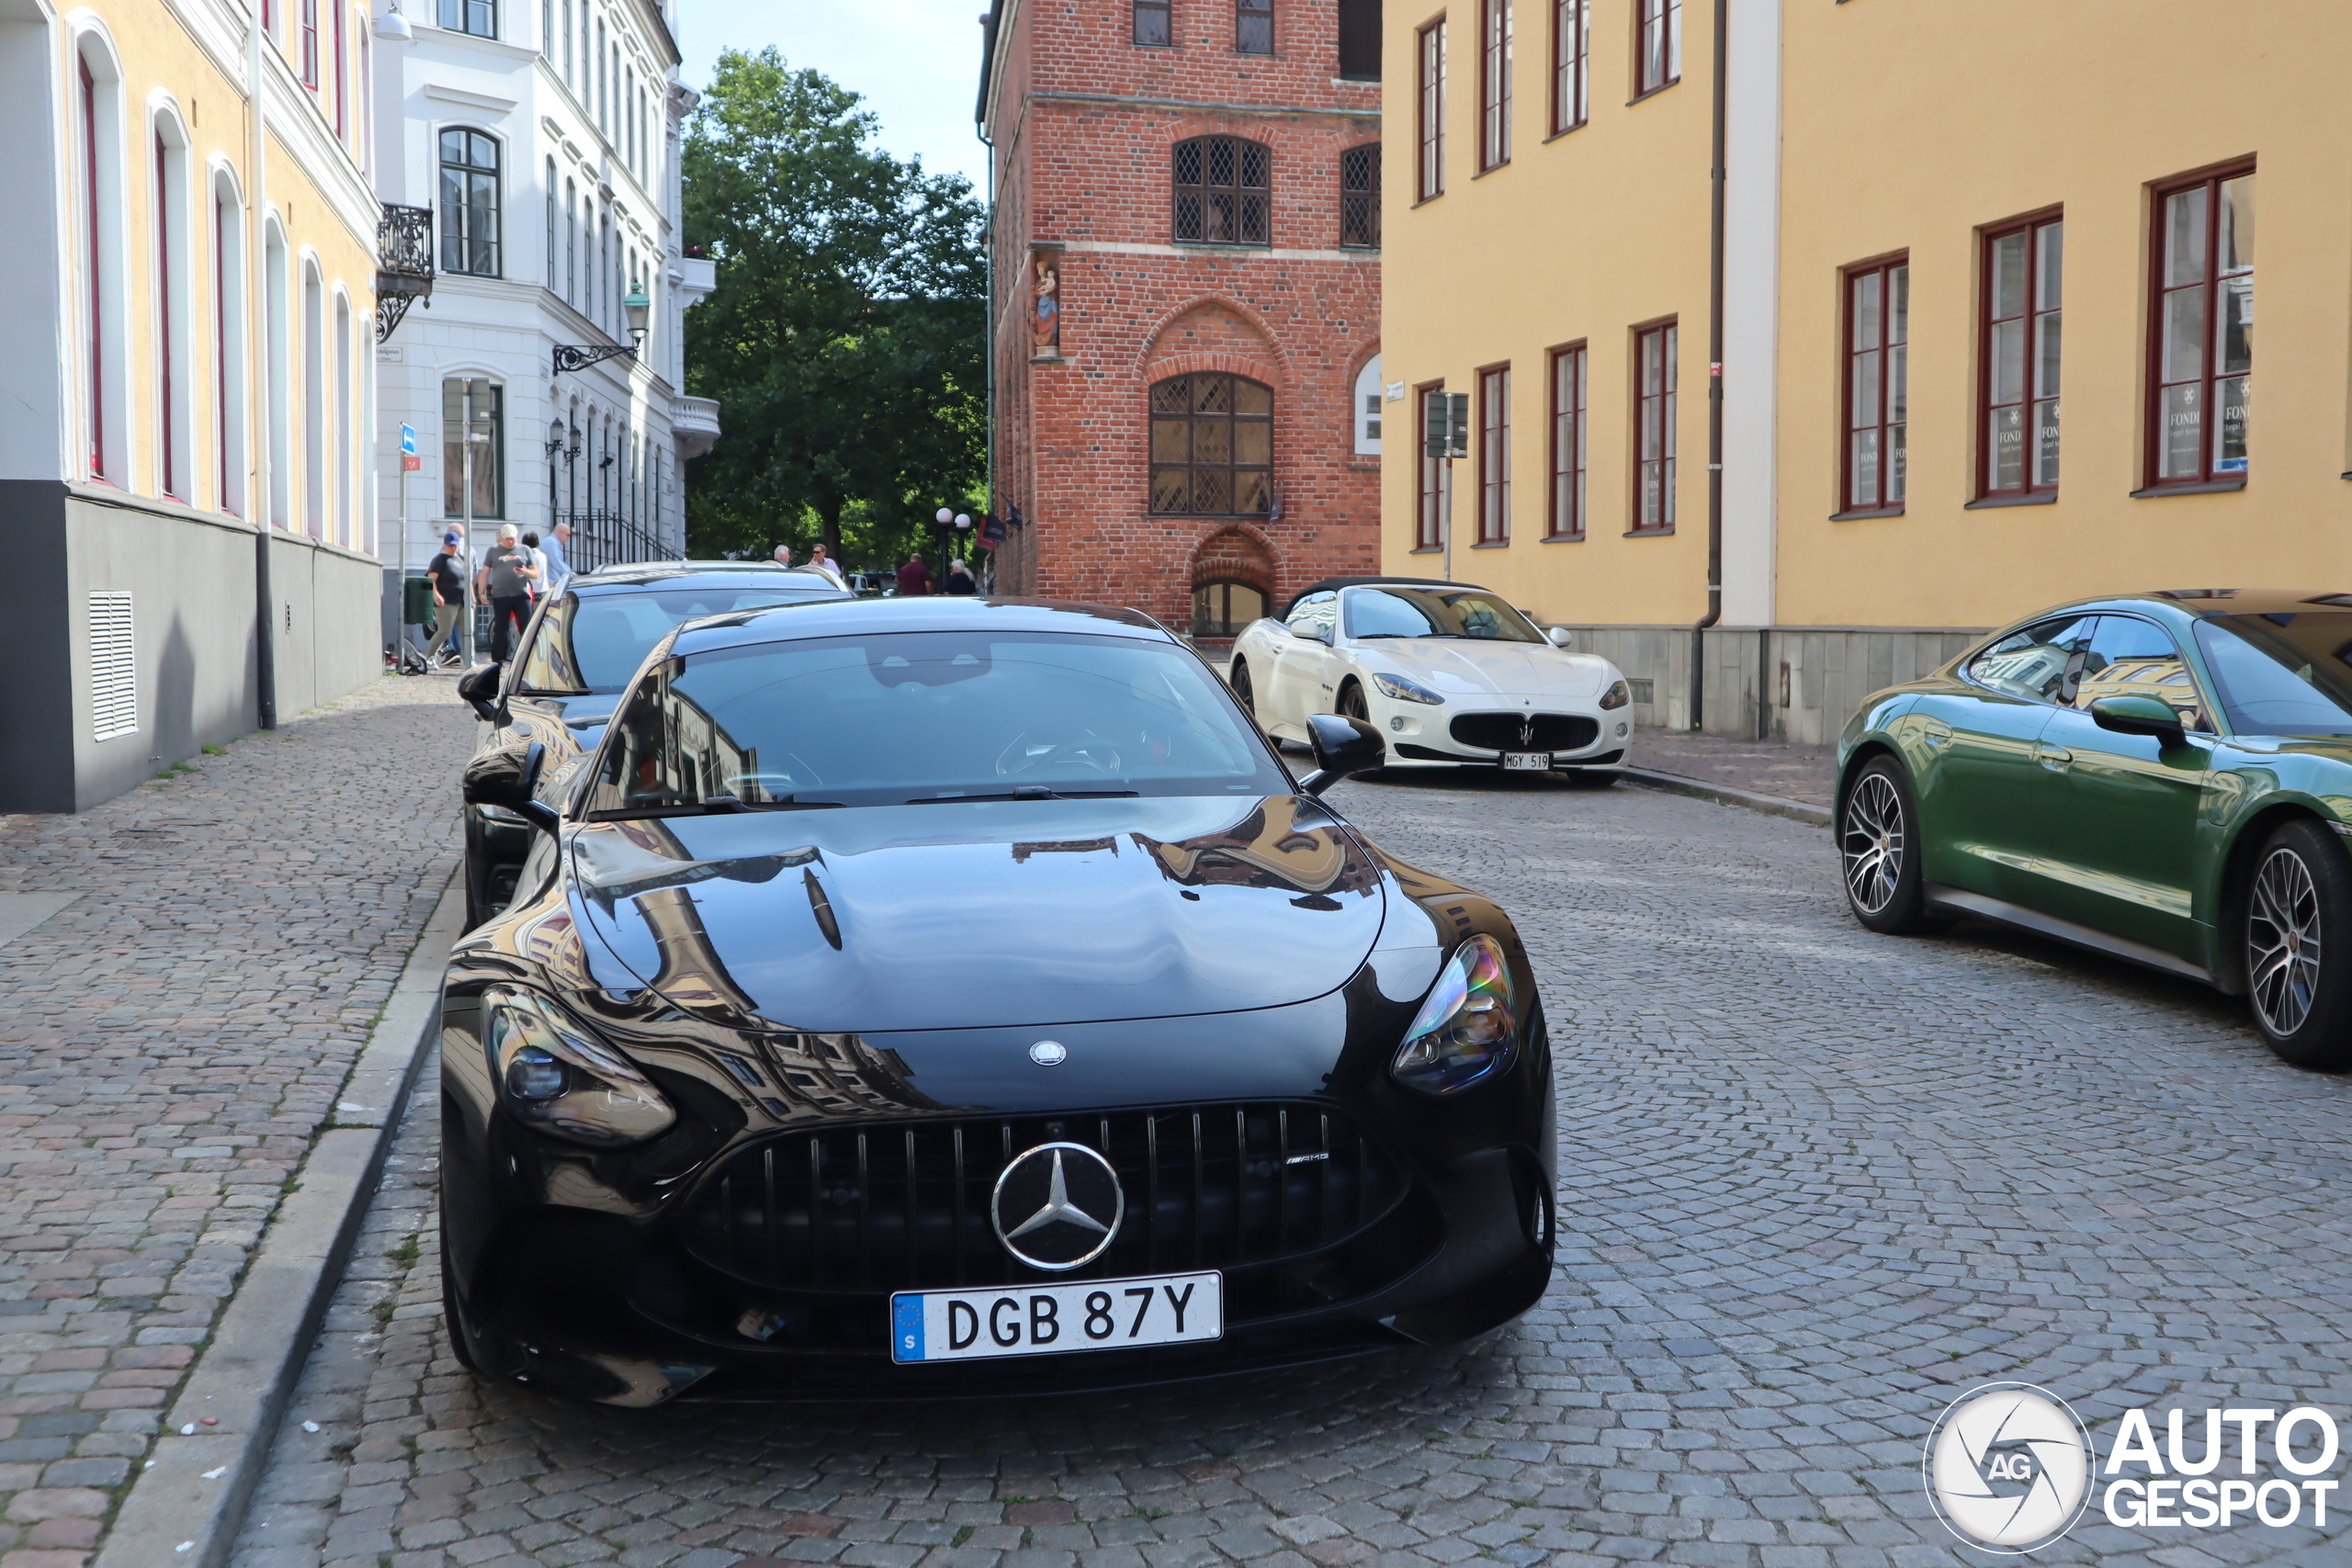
pixel 1448 673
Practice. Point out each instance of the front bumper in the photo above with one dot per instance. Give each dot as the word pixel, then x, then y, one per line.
pixel 771 1277
pixel 1420 735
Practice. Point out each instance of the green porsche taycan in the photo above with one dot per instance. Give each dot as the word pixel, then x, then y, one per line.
pixel 2165 777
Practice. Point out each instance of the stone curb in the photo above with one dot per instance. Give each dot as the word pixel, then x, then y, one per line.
pixel 1724 795
pixel 186 1508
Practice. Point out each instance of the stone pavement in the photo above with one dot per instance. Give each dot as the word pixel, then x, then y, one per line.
pixel 171 1043
pixel 1808 773
pixel 1814 1182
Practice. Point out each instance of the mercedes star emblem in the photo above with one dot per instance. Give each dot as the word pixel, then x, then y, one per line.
pixel 1049 1053
pixel 1057 1206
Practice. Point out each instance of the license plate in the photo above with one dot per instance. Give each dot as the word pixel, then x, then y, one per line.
pixel 1046 1320
pixel 1527 761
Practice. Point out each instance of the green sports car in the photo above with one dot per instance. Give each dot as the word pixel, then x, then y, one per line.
pixel 2165 777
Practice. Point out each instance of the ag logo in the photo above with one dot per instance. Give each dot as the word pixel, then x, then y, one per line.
pixel 2008 1467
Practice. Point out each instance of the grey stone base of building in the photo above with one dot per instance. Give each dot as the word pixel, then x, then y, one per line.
pixel 1794 683
pixel 188 633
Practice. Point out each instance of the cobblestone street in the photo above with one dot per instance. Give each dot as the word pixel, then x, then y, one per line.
pixel 172 1042
pixel 1814 1182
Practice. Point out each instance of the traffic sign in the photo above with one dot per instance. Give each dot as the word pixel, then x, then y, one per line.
pixel 408 441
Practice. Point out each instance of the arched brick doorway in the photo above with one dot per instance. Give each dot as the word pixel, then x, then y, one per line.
pixel 1233 582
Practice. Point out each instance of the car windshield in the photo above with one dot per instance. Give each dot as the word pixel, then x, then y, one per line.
pixel 911 718
pixel 2281 675
pixel 1436 611
pixel 590 646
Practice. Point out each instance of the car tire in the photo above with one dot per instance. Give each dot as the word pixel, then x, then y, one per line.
pixel 1243 692
pixel 450 1319
pixel 2298 939
pixel 1877 851
pixel 479 900
pixel 1352 705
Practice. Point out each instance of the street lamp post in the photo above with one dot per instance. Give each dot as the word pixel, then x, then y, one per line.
pixel 579 356
pixel 471 439
pixel 953 525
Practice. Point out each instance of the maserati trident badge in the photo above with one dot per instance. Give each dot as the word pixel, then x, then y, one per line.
pixel 1057 1206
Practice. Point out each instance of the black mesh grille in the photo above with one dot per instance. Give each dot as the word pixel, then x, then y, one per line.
pixel 906 1206
pixel 1542 731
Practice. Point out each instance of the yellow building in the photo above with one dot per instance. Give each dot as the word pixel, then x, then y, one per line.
pixel 1937 225
pixel 185 371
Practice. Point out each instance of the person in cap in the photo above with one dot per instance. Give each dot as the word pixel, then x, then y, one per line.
pixel 447 575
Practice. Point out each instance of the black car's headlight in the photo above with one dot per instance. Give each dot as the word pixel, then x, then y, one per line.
pixel 1616 696
pixel 1404 690
pixel 1468 1027
pixel 555 1076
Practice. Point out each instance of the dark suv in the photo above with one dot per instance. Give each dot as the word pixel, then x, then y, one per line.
pixel 574 660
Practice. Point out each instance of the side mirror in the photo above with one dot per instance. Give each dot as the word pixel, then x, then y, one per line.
pixel 509 779
pixel 479 688
pixel 1556 636
pixel 2134 715
pixel 1343 746
pixel 1313 631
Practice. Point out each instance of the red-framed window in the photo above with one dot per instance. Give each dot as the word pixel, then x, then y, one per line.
pixel 1658 46
pixel 1568 391
pixel 1429 106
pixel 1878 349
pixel 1494 83
pixel 168 449
pixel 1657 394
pixel 223 346
pixel 2200 334
pixel 1571 63
pixel 2022 293
pixel 1494 455
pixel 1429 493
pixel 310 44
pixel 97 289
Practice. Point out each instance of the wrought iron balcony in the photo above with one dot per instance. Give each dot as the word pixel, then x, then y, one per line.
pixel 403 264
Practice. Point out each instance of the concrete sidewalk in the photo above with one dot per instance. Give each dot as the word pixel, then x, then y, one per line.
pixel 1803 773
pixel 189 974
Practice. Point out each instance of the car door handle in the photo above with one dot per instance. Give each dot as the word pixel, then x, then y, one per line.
pixel 2054 758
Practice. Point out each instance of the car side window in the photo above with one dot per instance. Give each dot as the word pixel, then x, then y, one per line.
pixel 2038 663
pixel 1317 614
pixel 2130 657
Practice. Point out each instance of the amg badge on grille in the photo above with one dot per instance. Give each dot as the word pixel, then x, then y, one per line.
pixel 1057 1206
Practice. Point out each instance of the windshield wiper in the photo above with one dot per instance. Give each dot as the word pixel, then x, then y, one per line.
pixel 1027 791
pixel 712 805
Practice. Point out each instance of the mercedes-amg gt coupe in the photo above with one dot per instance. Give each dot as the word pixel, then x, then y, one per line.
pixel 915 996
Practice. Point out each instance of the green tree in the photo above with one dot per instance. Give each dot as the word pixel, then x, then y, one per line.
pixel 846 342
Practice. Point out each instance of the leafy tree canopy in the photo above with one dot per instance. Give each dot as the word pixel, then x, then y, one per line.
pixel 846 341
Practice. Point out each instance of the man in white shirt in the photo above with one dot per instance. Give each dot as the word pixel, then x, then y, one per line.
pixel 816 559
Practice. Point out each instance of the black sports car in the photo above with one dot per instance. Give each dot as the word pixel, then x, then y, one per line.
pixel 914 996
pixel 571 666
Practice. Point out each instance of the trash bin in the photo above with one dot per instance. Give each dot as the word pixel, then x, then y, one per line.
pixel 416 602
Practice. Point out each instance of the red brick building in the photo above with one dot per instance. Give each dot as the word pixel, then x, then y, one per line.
pixel 1187 393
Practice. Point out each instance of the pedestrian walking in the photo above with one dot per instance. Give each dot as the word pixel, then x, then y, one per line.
pixel 914 579
pixel 505 580
pixel 556 550
pixel 959 579
pixel 447 575
pixel 818 558
pixel 538 585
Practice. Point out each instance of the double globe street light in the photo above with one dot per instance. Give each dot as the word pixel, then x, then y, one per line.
pixel 953 527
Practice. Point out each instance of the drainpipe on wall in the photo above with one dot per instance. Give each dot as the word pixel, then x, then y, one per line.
pixel 264 596
pixel 1714 386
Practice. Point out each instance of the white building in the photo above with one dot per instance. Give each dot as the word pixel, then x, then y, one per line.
pixel 544 136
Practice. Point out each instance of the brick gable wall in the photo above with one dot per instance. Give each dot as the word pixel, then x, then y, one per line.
pixel 1084 126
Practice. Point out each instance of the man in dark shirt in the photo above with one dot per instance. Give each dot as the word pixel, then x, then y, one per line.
pixel 914 579
pixel 447 575
pixel 507 572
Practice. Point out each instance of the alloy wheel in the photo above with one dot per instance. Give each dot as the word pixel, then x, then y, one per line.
pixel 1872 842
pixel 1243 690
pixel 2282 943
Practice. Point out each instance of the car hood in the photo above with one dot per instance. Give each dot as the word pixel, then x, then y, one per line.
pixel 982 914
pixel 1463 667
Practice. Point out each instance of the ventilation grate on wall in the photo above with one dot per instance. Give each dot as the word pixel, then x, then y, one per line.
pixel 114 667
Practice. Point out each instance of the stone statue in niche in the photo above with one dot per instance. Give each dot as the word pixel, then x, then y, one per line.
pixel 1046 324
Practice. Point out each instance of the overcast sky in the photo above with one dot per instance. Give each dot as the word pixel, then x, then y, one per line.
pixel 915 63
